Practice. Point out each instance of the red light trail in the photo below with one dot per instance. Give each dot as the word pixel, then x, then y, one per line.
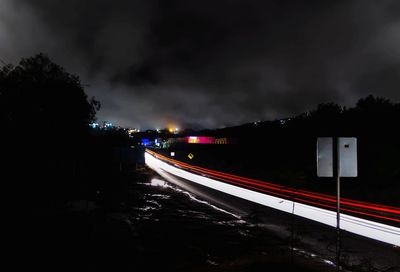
pixel 365 209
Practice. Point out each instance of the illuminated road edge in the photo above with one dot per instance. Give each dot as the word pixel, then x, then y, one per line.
pixel 367 228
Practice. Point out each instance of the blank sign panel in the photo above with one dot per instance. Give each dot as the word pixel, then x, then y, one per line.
pixel 348 157
pixel 324 157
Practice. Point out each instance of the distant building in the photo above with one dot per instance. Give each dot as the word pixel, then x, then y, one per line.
pixel 146 142
pixel 201 140
pixel 132 131
pixel 221 141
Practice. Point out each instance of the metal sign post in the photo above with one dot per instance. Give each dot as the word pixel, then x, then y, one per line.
pixel 337 174
pixel 337 157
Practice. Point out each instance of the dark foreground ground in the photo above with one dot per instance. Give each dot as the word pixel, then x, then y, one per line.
pixel 156 226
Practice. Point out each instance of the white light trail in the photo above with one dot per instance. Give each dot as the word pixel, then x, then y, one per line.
pixel 374 230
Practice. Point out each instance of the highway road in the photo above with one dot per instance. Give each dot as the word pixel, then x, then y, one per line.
pixel 374 221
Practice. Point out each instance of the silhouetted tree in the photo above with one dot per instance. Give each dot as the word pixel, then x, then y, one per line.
pixel 39 98
pixel 44 114
pixel 374 104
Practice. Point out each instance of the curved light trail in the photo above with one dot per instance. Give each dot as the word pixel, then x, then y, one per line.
pixel 357 216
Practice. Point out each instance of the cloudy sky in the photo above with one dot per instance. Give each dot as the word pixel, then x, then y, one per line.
pixel 212 63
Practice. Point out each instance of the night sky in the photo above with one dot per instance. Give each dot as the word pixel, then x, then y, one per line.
pixel 211 63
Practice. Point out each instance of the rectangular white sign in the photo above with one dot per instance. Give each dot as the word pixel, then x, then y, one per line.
pixel 347 157
pixel 325 157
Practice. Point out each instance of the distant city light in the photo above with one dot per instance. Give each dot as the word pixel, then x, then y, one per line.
pixel 94 125
pixel 107 124
pixel 145 142
pixel 200 140
pixel 173 129
pixel 193 140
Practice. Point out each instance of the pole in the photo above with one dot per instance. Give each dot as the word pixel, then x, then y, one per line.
pixel 292 230
pixel 338 204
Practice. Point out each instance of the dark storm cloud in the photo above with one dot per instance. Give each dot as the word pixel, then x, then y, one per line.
pixel 212 63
